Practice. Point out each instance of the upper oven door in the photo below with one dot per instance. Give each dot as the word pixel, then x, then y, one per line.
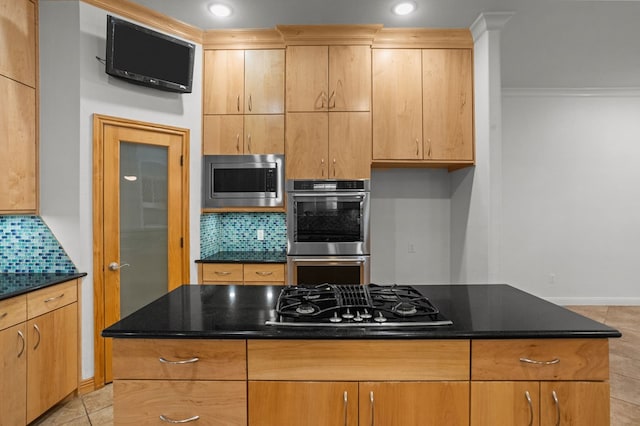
pixel 328 223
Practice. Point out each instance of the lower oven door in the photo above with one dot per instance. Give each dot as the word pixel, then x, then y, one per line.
pixel 328 269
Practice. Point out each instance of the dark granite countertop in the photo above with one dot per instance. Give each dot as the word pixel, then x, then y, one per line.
pixel 246 257
pixel 239 312
pixel 15 284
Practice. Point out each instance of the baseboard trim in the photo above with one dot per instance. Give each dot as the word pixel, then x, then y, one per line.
pixel 86 386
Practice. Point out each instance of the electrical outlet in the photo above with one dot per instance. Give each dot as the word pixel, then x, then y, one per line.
pixel 552 278
pixel 411 248
pixel 260 234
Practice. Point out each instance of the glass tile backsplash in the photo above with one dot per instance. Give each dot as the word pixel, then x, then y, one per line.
pixel 238 232
pixel 27 245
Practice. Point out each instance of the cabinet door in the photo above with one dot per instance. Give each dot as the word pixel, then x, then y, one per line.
pixel 264 134
pixel 350 145
pixel 505 403
pixel 223 82
pixel 222 134
pixel 307 76
pixel 447 100
pixel 397 104
pixel 574 403
pixel 18 147
pixel 13 371
pixel 264 81
pixel 307 145
pixel 414 403
pixel 18 53
pixel 52 369
pixel 303 403
pixel 349 78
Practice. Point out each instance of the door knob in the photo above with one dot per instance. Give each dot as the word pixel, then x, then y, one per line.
pixel 114 266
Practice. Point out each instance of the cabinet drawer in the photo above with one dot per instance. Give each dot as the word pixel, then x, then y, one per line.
pixel 179 359
pixel 222 272
pixel 13 311
pixel 146 402
pixel 358 360
pixel 51 298
pixel 264 273
pixel 540 359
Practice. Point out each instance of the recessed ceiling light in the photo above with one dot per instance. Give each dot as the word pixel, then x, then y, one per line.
pixel 220 10
pixel 404 8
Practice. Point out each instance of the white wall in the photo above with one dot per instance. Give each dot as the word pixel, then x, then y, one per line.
pixel 571 194
pixel 74 86
pixel 410 219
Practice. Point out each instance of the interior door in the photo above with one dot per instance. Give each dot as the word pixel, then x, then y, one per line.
pixel 141 252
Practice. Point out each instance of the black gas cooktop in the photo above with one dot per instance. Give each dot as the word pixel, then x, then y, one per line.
pixel 344 305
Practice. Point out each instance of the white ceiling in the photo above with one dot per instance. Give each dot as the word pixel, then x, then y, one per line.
pixel 546 44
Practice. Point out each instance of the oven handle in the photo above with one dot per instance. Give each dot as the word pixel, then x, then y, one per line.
pixel 340 259
pixel 353 195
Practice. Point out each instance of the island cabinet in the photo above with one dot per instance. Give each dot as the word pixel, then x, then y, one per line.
pixel 238 273
pixel 159 381
pixel 361 382
pixel 39 350
pixel 422 107
pixel 243 101
pixel 18 117
pixel 540 382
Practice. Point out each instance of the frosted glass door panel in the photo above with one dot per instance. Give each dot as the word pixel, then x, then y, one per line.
pixel 143 225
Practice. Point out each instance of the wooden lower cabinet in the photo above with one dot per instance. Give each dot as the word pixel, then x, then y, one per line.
pixel 13 371
pixel 352 403
pixel 539 403
pixel 303 403
pixel 151 402
pixel 239 274
pixel 52 371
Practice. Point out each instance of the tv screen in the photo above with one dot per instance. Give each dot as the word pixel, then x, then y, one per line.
pixel 143 56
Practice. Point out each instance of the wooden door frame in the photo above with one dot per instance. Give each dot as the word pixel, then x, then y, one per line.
pixel 99 124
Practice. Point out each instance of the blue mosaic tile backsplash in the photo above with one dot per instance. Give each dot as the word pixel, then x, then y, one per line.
pixel 237 232
pixel 27 245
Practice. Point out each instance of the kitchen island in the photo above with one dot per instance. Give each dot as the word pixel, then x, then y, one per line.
pixel 205 353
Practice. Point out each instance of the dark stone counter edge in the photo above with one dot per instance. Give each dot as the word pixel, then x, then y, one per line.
pixel 41 281
pixel 245 257
pixel 380 335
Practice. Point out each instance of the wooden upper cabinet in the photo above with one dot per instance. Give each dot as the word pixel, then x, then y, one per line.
pixel 307 77
pixel 223 82
pixel 328 78
pixel 18 51
pixel 397 104
pixel 349 145
pixel 264 81
pixel 307 136
pixel 447 104
pixel 249 134
pixel 264 134
pixel 18 145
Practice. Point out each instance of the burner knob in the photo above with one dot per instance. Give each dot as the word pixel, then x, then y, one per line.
pixel 335 318
pixel 366 314
pixel 347 315
pixel 380 318
pixel 358 318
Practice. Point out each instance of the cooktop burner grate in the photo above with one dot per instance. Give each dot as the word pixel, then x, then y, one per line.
pixel 355 305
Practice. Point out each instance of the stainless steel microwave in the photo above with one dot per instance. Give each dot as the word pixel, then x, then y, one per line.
pixel 243 180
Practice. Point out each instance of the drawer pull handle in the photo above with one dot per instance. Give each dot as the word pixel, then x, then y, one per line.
pixel 533 361
pixel 4 314
pixel 528 396
pixel 170 420
pixel 223 273
pixel 557 403
pixel 184 361
pixel 23 343
pixel 51 299
pixel 264 273
pixel 371 401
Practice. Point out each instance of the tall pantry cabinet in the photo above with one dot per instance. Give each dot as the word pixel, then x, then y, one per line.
pixel 18 115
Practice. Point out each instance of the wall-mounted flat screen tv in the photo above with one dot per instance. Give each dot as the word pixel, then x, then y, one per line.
pixel 143 56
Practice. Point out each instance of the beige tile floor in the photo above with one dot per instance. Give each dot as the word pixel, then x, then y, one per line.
pixel 96 408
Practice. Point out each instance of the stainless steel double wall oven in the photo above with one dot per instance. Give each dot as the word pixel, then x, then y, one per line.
pixel 328 231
